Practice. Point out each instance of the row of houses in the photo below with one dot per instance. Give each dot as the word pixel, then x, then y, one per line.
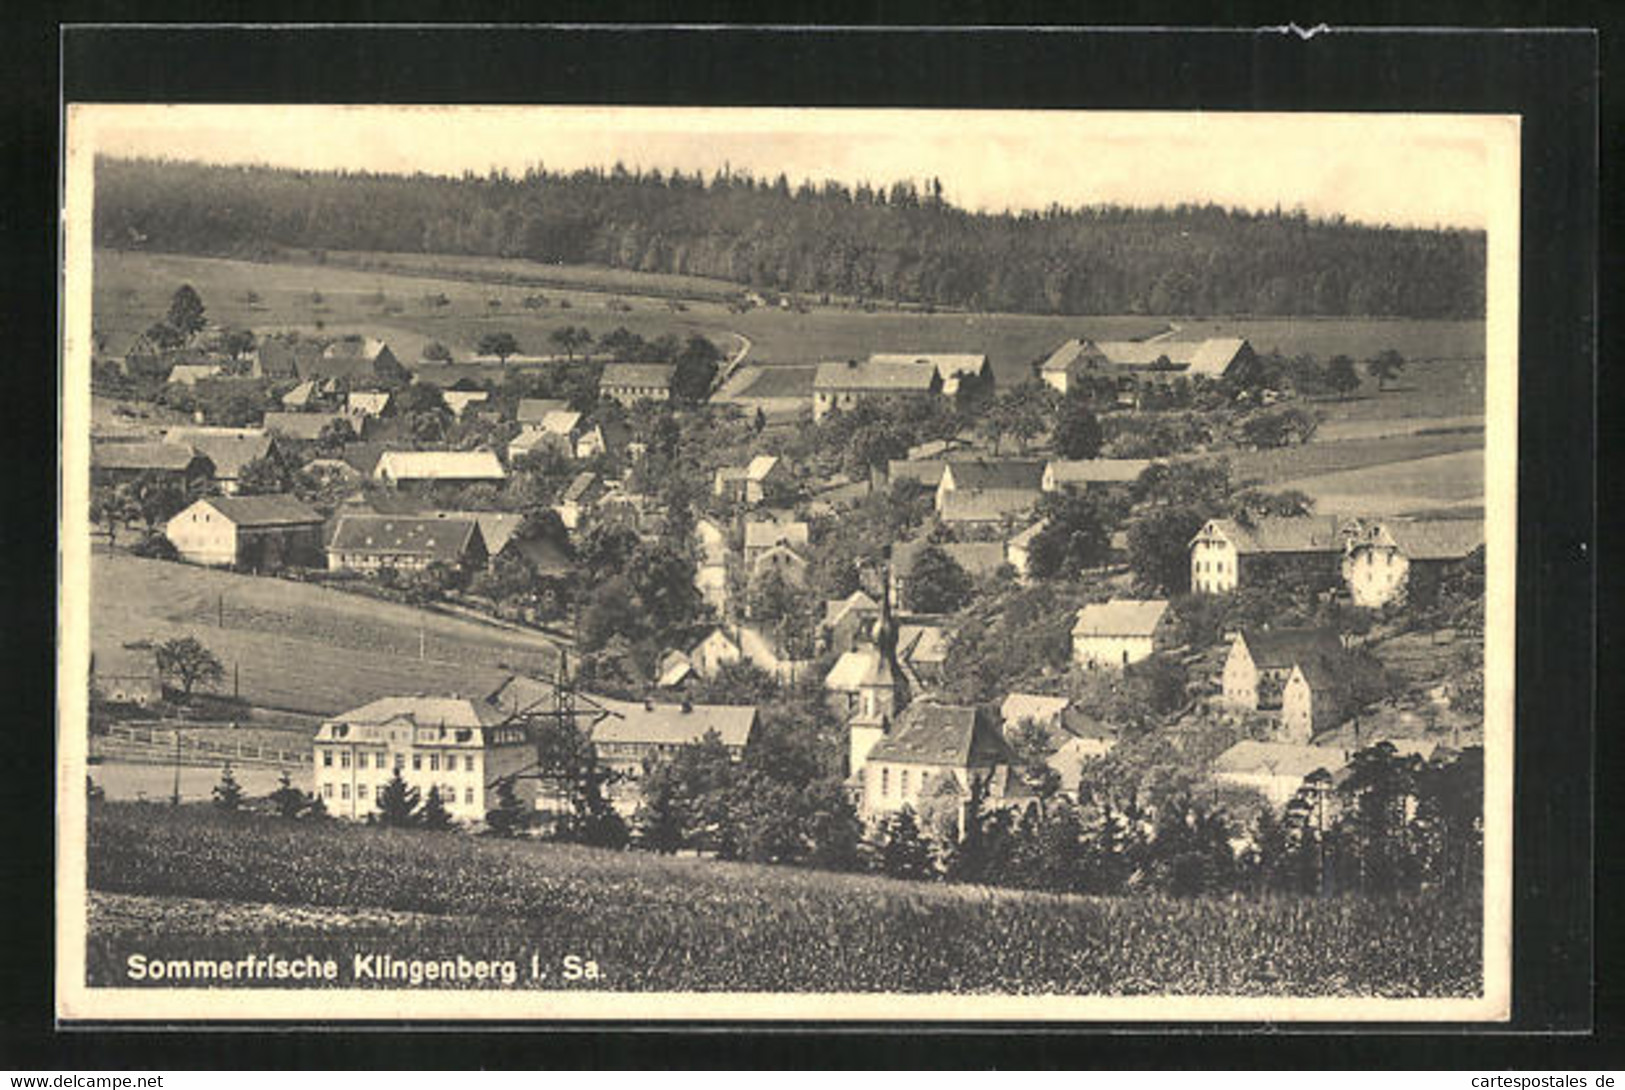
pixel 1136 364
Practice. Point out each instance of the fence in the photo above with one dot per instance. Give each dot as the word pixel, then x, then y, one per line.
pixel 241 751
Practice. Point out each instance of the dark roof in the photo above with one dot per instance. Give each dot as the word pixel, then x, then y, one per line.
pixel 439 539
pixel 532 409
pixel 944 734
pixel 1436 539
pixel 1282 648
pixel 364 456
pixel 278 359
pixel 976 557
pixel 275 510
pixel 173 457
pixel 1005 474
pixel 304 426
pixel 926 471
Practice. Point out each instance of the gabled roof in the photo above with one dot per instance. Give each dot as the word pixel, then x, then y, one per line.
pixel 1272 534
pixel 560 421
pixel 496 527
pixel 983 474
pixel 1278 759
pixel 947 364
pixel 446 540
pixel 1095 471
pixel 943 734
pixel 760 466
pixel 533 409
pixel 1032 706
pixel 877 376
pixel 303 426
pixel 926 471
pixel 1063 357
pixel 579 487
pixel 1120 617
pixel 1214 356
pixel 674 669
pixel 1436 539
pixel 764 535
pixel 171 457
pixel 277 358
pixel 858 668
pixel 277 510
pixel 355 348
pixel 426 711
pixel 1282 648
pixel 228 448
pixel 637 375
pixel 459 400
pixel 300 394
pixel 976 557
pixel 188 373
pixel 440 465
pixel 673 724
pixel 1025 538
pixel 367 401
pixel 922 644
pixel 986 505
pixel 836 609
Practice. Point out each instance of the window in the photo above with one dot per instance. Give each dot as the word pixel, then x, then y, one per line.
pixel 468 795
pixel 417 762
pixel 905 781
pixel 400 760
pixel 344 759
pixel 378 792
pixel 327 758
pixel 344 790
pixel 468 763
pixel 327 790
pixel 434 762
pixel 885 781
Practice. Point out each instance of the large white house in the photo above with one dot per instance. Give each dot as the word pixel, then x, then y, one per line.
pixel 430 466
pixel 1225 551
pixel 1382 555
pixel 461 746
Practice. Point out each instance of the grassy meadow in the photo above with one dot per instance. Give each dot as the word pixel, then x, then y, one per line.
pixel 299 647
pixel 198 883
pixel 132 290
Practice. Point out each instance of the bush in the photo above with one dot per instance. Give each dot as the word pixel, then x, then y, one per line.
pixel 155 546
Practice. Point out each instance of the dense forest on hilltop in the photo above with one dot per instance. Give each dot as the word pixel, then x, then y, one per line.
pixel 904 242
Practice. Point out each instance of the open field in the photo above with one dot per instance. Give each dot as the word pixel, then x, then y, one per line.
pixel 1270 467
pixel 536 274
pixel 1401 487
pixel 132 290
pixel 197 883
pixel 300 647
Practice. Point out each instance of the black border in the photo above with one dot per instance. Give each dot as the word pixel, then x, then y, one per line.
pixel 1548 77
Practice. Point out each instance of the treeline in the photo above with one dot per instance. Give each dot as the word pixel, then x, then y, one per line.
pixel 900 242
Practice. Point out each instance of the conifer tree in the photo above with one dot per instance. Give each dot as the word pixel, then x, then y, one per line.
pixel 435 816
pixel 399 803
pixel 228 793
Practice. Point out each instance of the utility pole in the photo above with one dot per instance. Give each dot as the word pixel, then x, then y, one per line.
pixel 220 611
pixel 175 795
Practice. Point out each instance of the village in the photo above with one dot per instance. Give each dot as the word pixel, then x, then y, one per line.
pixel 957 599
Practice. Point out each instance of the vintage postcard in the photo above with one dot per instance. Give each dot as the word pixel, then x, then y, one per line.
pixel 786 564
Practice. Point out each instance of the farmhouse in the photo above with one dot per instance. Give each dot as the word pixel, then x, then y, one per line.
pixel 630 383
pixel 781 560
pixel 1263 662
pixel 1120 631
pixel 228 450
pixel 985 510
pixel 1382 556
pixel 461 747
pixel 1275 769
pixel 930 743
pixel 951 368
pixel 1020 481
pixel 253 532
pixel 433 466
pixel 750 483
pixel 1154 361
pixel 847 619
pixel 120 462
pixel 126 673
pixel 358 360
pixel 606 437
pixel 762 535
pixel 1226 554
pixel 1094 474
pixel 190 374
pixel 556 432
pixel 367 543
pixel 838 385
pixel 497 528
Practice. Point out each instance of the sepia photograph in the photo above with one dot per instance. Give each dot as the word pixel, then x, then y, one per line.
pixel 612 562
